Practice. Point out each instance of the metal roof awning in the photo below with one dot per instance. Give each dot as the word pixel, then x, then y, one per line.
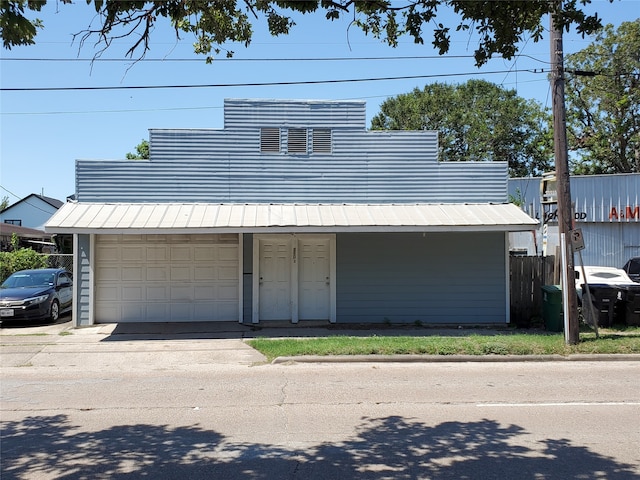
pixel 165 218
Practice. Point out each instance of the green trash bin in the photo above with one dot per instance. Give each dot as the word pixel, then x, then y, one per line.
pixel 552 308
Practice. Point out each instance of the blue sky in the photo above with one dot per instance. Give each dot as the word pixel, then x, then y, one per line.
pixel 42 133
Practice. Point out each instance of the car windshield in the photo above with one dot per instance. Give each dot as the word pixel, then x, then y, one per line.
pixel 28 279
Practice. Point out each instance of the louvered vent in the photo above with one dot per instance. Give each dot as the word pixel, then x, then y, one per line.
pixel 297 142
pixel 321 140
pixel 270 140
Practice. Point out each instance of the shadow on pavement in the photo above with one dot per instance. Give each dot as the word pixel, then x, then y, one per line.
pixel 235 330
pixel 391 447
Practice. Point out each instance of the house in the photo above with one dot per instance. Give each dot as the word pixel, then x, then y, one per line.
pixel 606 210
pixel 27 238
pixel 293 211
pixel 31 212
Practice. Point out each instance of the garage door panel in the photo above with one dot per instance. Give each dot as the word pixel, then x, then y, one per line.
pixel 203 312
pixel 204 254
pixel 160 278
pixel 206 273
pixel 156 292
pixel 182 293
pixel 132 293
pixel 133 274
pixel 180 311
pixel 204 293
pixel 158 273
pixel 181 254
pixel 107 274
pixel 107 293
pixel 157 253
pixel 132 311
pixel 227 252
pixel 108 253
pixel 109 312
pixel 157 310
pixel 225 292
pixel 227 273
pixel 227 309
pixel 132 254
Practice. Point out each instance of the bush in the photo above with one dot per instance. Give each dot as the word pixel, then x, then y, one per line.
pixel 21 259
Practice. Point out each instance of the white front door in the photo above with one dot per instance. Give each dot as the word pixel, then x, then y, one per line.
pixel 294 277
pixel 275 278
pixel 314 279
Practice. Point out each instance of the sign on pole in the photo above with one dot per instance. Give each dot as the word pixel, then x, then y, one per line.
pixel 577 240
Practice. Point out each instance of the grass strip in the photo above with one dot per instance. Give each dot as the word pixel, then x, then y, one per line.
pixel 516 344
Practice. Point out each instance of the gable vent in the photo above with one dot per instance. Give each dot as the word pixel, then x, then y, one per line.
pixel 270 140
pixel 321 140
pixel 297 140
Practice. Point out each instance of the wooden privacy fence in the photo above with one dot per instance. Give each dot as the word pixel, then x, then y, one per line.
pixel 527 275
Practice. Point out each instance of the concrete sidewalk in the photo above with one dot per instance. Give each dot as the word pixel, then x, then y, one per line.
pixel 201 345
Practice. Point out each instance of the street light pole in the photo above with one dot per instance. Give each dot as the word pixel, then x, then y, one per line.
pixel 565 213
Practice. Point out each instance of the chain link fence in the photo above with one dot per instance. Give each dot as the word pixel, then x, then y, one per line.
pixel 59 260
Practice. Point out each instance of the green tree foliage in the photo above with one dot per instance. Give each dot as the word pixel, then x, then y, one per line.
pixel 142 151
pixel 476 121
pixel 603 102
pixel 4 203
pixel 500 25
pixel 20 259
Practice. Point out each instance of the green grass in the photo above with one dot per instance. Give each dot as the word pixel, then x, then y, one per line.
pixel 610 342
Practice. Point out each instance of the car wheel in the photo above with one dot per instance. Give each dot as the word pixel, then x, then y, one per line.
pixel 54 314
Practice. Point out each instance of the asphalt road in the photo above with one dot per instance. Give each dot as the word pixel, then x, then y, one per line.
pixel 74 408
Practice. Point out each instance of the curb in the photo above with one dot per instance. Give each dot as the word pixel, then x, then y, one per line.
pixel 456 358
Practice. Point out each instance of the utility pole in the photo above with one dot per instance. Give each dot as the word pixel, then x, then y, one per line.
pixel 565 212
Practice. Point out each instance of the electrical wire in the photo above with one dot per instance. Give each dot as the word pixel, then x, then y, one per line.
pixel 234 60
pixel 25 201
pixel 258 84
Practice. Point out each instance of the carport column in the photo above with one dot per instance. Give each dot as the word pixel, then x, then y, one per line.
pixel 82 312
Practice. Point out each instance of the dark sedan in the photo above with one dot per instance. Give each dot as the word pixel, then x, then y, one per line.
pixel 41 294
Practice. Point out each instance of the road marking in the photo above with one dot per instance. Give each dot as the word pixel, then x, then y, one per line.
pixel 560 404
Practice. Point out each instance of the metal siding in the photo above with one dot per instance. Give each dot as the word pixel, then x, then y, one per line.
pixel 433 279
pixel 610 240
pixel 213 165
pixel 610 244
pixel 251 113
pixel 594 195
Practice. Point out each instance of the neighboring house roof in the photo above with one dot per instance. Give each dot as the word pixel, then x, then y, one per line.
pixel 7 230
pixel 135 218
pixel 51 201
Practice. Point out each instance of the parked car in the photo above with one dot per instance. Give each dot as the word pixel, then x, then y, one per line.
pixel 601 276
pixel 41 294
pixel 632 267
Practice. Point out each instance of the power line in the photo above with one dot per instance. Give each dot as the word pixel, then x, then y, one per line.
pixel 258 84
pixel 234 60
pixel 25 201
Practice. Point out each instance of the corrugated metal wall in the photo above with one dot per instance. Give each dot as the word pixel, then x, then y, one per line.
pixel 249 113
pixel 607 209
pixel 226 165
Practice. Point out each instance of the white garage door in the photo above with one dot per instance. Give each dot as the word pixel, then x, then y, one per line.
pixel 166 278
